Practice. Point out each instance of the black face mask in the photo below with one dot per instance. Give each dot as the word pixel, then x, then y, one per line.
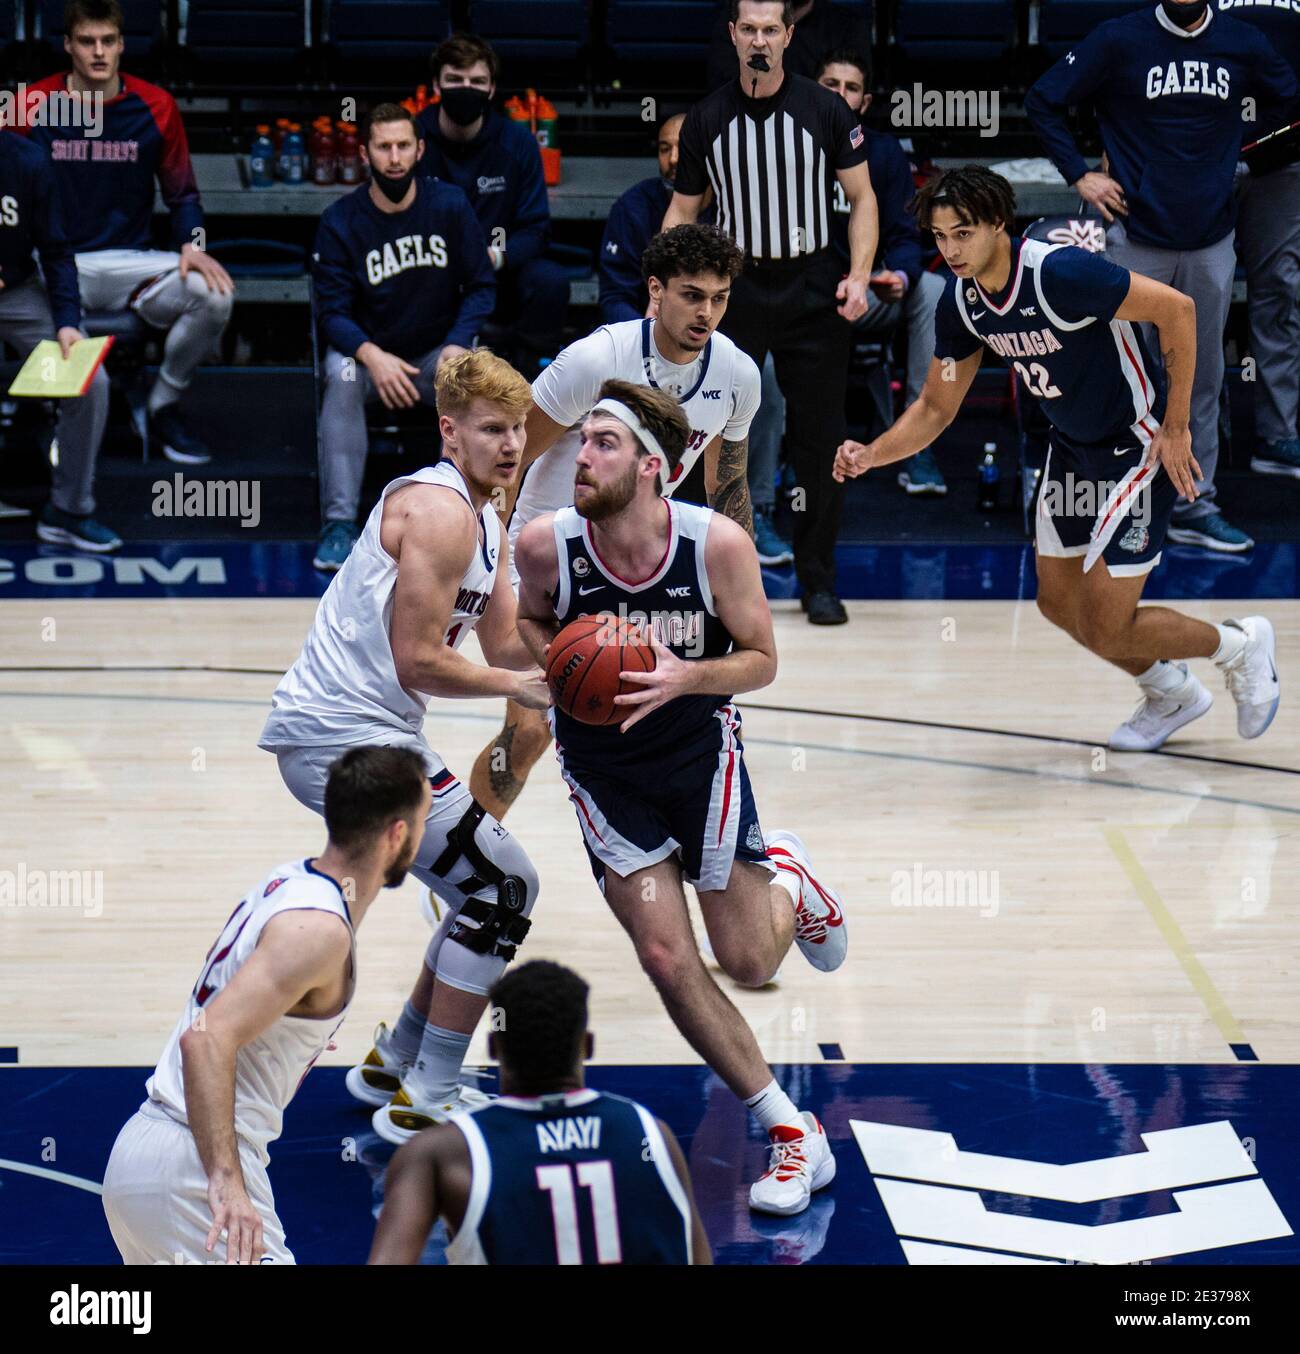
pixel 464 105
pixel 393 189
pixel 1185 16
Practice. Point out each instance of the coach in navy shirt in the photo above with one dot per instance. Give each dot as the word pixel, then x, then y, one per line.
pixel 402 282
pixel 1170 84
pixel 495 162
pixel 31 222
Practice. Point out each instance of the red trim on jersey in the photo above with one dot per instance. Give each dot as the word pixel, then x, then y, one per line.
pixel 1129 489
pixel 1015 286
pixel 573 795
pixel 1137 367
pixel 729 713
pixel 655 572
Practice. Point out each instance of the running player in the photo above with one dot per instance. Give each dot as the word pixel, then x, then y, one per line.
pixel 551 1173
pixel 664 797
pixel 426 570
pixel 1120 453
pixel 689 271
pixel 190 1165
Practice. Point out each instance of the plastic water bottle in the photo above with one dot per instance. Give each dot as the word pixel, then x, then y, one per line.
pixel 294 155
pixel 989 478
pixel 261 158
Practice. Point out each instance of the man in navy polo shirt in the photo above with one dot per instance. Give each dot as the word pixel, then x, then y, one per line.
pixel 496 164
pixel 402 283
pixel 1171 85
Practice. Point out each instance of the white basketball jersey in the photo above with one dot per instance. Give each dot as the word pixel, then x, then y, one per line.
pixel 270 1068
pixel 719 392
pixel 343 687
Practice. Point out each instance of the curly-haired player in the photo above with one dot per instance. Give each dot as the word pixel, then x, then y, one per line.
pixel 689 271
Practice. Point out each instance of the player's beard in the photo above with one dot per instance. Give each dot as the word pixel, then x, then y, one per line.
pixel 395 875
pixel 612 499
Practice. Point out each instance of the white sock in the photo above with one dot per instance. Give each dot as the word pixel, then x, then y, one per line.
pixel 436 1073
pixel 789 881
pixel 1163 676
pixel 1232 640
pixel 772 1108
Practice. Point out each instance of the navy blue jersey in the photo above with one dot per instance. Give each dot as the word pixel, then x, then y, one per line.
pixel 581 1178
pixel 1170 106
pixel 1279 21
pixel 1054 322
pixel 407 280
pixel 676 601
pixel 31 219
pixel 500 171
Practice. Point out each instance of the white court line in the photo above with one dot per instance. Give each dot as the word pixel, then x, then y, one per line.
pixel 45 1173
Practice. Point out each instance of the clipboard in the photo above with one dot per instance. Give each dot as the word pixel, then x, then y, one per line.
pixel 46 376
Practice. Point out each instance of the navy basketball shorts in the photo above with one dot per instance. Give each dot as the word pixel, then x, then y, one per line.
pixel 693 801
pixel 1101 501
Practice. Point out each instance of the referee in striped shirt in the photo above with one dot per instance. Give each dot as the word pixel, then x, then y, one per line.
pixel 770 144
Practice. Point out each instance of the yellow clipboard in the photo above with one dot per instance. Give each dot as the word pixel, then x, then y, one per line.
pixel 46 376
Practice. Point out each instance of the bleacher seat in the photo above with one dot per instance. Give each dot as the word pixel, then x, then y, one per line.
pixel 531 30
pixel 388 40
pixel 234 40
pixel 1062 23
pixel 660 30
pixel 143 24
pixel 954 30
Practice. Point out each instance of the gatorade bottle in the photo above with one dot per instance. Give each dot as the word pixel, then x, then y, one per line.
pixel 281 131
pixel 547 125
pixel 294 154
pixel 261 158
pixel 989 478
pixel 515 110
pixel 421 97
pixel 322 152
pixel 348 152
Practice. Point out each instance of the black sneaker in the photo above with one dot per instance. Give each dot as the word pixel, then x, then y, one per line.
pixel 168 434
pixel 824 608
pixel 56 527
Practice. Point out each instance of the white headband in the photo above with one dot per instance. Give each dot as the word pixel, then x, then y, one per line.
pixel 643 434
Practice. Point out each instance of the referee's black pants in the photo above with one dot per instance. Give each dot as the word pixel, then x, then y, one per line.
pixel 787 308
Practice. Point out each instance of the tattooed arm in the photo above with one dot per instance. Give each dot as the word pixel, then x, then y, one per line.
pixel 726 480
pixel 1174 316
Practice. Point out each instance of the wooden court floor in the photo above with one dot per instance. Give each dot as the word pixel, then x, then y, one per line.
pixel 1014 893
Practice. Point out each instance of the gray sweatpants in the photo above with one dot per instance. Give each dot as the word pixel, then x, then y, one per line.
pixel 343 442
pixel 194 317
pixel 25 320
pixel 916 310
pixel 1268 243
pixel 1206 276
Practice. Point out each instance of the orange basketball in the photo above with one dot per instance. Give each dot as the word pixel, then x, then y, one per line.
pixel 585 661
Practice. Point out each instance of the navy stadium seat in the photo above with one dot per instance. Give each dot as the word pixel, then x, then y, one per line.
pixel 954 30
pixel 660 30
pixel 392 39
pixel 1062 23
pixel 143 24
pixel 225 38
pixel 531 30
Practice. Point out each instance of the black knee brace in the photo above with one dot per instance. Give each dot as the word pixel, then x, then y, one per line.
pixel 481 926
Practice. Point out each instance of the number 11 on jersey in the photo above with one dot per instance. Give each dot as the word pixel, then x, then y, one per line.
pixel 598 1177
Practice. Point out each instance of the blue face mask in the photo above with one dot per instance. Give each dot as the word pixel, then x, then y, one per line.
pixel 1185 16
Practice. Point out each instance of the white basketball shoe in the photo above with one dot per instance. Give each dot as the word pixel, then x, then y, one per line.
pixel 409 1111
pixel 1161 713
pixel 819 928
pixel 1251 677
pixel 378 1076
pixel 801 1162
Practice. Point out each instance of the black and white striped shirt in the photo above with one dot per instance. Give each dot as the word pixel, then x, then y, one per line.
pixel 771 163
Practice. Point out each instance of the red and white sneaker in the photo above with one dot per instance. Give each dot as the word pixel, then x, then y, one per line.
pixel 801 1163
pixel 819 928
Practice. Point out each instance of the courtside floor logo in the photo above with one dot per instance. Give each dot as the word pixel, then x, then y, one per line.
pixel 930 1190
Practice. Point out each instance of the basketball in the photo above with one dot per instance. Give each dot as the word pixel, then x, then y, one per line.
pixel 584 665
